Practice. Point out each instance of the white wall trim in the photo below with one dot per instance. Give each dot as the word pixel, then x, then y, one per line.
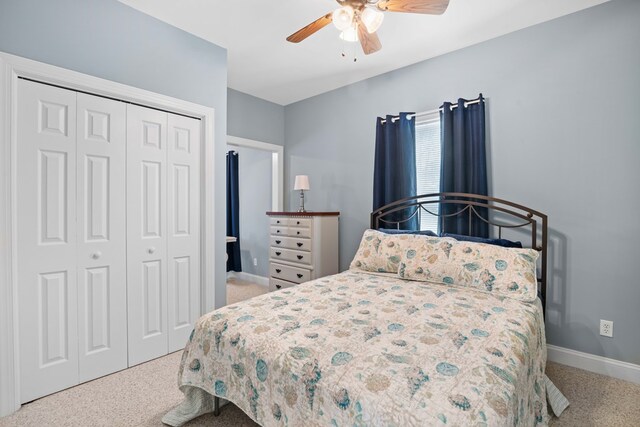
pixel 597 364
pixel 9 391
pixel 11 69
pixel 248 277
pixel 277 166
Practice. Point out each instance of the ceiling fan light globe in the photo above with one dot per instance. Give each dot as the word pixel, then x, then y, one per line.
pixel 350 35
pixel 372 19
pixel 343 17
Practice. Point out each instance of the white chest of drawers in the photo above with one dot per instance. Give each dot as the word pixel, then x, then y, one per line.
pixel 303 247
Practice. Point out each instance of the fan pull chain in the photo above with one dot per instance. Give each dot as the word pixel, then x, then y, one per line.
pixel 345 46
pixel 354 44
pixel 354 48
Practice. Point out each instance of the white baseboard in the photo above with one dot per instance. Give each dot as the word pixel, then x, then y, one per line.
pixel 598 364
pixel 248 277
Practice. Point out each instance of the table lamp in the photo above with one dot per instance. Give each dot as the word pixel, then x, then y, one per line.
pixel 302 184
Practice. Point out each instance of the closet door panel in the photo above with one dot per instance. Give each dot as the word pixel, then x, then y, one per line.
pixel 101 225
pixel 184 228
pixel 146 233
pixel 46 215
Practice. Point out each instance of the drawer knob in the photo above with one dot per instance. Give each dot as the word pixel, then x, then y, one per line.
pixel 278 253
pixel 299 276
pixel 278 242
pixel 278 286
pixel 298 222
pixel 278 222
pixel 300 257
pixel 298 232
pixel 277 231
pixel 278 270
pixel 299 245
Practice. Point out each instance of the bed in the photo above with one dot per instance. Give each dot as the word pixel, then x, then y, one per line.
pixel 369 348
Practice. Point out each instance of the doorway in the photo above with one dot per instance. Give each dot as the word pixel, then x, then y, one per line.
pixel 257 187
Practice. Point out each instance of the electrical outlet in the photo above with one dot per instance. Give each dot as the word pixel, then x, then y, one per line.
pixel 255 262
pixel 606 328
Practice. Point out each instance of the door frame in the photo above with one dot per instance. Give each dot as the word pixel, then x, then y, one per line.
pixel 11 69
pixel 277 166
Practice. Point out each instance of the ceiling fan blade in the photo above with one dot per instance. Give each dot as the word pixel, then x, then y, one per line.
pixel 430 7
pixel 305 32
pixel 370 41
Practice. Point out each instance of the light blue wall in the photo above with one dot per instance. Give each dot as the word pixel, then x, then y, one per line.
pixel 564 138
pixel 110 40
pixel 254 168
pixel 254 118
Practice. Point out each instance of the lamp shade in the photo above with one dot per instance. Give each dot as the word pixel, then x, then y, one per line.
pixel 372 19
pixel 302 182
pixel 343 17
pixel 349 35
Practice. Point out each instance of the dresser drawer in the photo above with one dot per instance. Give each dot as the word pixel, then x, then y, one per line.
pixel 291 255
pixel 301 244
pixel 300 222
pixel 290 274
pixel 298 232
pixel 279 230
pixel 277 284
pixel 279 221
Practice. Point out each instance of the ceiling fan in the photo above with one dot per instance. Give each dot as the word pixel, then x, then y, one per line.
pixel 360 19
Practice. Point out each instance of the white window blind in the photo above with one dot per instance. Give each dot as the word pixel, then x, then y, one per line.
pixel 428 165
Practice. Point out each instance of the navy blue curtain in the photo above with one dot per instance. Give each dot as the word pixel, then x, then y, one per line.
pixel 233 212
pixel 463 164
pixel 394 173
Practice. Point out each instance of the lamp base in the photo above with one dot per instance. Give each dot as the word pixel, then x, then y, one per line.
pixel 301 208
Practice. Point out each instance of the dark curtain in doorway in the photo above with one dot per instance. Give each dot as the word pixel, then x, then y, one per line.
pixel 463 164
pixel 233 212
pixel 394 173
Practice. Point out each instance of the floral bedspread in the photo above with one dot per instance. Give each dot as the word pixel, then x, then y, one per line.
pixel 362 349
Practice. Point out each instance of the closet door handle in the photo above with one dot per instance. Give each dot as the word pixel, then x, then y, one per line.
pixel 151 250
pixel 278 270
pixel 278 286
pixel 96 255
pixel 278 242
pixel 300 257
pixel 278 253
pixel 299 276
pixel 299 245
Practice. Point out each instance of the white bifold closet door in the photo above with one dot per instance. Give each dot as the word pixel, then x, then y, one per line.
pixel 163 225
pixel 101 235
pixel 108 238
pixel 71 238
pixel 183 228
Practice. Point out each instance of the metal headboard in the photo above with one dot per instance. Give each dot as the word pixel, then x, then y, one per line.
pixel 511 216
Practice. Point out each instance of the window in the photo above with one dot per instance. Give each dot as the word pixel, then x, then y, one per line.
pixel 428 165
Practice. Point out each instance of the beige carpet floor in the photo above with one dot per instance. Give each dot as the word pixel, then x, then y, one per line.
pixel 240 290
pixel 596 400
pixel 140 396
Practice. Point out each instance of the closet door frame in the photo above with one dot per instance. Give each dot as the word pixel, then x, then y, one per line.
pixel 13 68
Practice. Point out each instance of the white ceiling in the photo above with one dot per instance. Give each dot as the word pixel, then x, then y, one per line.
pixel 262 63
